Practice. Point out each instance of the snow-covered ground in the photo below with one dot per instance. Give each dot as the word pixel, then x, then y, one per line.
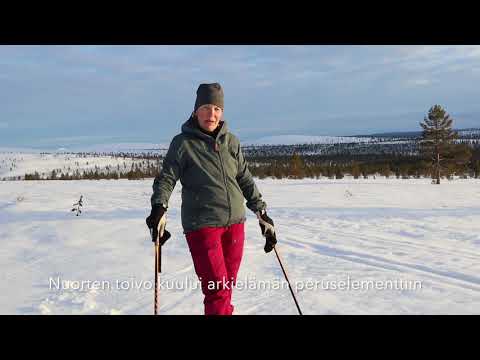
pixel 367 238
pixel 19 164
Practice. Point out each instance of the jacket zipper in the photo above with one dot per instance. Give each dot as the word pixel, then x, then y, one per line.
pixel 217 150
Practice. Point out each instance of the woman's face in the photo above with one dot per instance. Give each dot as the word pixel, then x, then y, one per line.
pixel 209 116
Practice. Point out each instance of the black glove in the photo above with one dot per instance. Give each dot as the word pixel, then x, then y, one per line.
pixel 157 218
pixel 268 230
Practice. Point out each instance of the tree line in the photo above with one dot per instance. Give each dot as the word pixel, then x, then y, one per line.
pixel 136 172
pixel 437 153
pixel 466 164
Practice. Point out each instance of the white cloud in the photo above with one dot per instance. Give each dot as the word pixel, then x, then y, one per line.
pixel 419 82
pixel 75 139
pixel 428 57
pixel 264 83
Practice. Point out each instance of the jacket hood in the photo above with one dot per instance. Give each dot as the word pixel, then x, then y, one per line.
pixel 190 127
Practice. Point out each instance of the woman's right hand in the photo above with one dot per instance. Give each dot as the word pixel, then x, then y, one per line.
pixel 156 222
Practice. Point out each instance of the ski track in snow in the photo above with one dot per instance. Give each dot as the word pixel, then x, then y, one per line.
pixel 382 229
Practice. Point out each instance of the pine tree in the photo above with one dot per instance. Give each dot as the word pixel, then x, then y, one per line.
pixel 437 137
pixel 297 167
pixel 338 172
pixel 476 169
pixel 257 171
pixel 78 205
pixel 355 170
pixel 364 170
pixel 385 170
pixel 458 158
pixel 278 172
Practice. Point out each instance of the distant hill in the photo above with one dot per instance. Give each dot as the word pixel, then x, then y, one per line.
pixel 120 147
pixel 398 134
pixel 470 132
pixel 304 139
pixel 393 143
pixel 473 133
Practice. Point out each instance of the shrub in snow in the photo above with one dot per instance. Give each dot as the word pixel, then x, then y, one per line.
pixel 78 205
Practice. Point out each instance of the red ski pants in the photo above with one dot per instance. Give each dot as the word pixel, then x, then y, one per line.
pixel 217 253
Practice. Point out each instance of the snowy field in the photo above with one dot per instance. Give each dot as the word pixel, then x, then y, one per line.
pixel 383 246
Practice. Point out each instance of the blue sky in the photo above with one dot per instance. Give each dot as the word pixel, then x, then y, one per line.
pixel 70 95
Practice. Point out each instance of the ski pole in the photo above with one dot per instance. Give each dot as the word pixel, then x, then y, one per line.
pixel 158 269
pixel 158 257
pixel 158 263
pixel 286 277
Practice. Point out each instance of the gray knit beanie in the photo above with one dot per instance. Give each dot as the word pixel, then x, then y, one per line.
pixel 209 94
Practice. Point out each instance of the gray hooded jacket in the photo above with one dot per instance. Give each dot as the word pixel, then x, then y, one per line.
pixel 214 176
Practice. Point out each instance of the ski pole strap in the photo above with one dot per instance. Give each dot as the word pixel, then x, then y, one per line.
pixel 268 227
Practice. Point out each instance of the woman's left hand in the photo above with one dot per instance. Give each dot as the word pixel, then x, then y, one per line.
pixel 268 230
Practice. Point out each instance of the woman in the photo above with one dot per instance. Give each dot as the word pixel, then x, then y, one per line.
pixel 208 161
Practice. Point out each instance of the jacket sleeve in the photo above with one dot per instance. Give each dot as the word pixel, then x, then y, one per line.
pixel 165 182
pixel 248 186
